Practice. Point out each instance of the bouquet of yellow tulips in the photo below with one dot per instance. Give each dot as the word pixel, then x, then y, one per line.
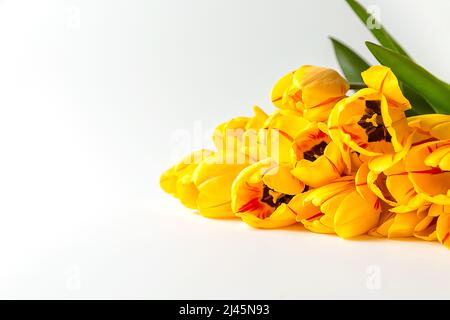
pixel 368 153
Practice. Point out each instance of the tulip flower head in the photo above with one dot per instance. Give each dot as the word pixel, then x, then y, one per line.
pixel 345 207
pixel 213 178
pixel 261 193
pixel 178 179
pixel 317 159
pixel 311 90
pixel 372 121
pixel 430 222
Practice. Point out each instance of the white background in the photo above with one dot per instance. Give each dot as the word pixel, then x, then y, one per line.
pixel 93 97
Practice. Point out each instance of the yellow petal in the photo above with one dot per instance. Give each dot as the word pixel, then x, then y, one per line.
pixel 187 191
pixel 319 85
pixel 281 180
pixel 168 181
pixel 404 225
pixel 382 79
pixel 280 88
pixel 322 194
pixel 443 229
pixel 316 173
pixel 354 216
pixel 317 226
pixel 283 216
pixel 169 178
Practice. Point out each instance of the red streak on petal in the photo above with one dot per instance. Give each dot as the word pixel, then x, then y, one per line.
pixel 382 82
pixel 400 174
pixel 411 192
pixel 252 205
pixel 314 217
pixel 377 204
pixel 297 97
pixel 252 188
pixel 284 134
pixel 423 141
pixel 328 101
pixel 352 135
pixel 429 171
pixel 281 132
pixel 356 138
pixel 335 169
pixel 317 136
pixel 363 145
pixel 277 99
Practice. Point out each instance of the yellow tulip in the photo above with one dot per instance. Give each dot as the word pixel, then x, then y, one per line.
pixel 261 192
pixel 311 90
pixel 430 222
pixel 396 225
pixel 213 178
pixel 428 169
pixel 372 121
pixel 443 227
pixel 406 189
pixel 318 160
pixel 276 137
pixel 345 207
pixel 178 179
pixel 427 164
pixel 436 126
pixel 394 187
pixel 231 135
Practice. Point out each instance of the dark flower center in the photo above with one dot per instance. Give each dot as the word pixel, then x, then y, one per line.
pixel 315 151
pixel 372 122
pixel 268 197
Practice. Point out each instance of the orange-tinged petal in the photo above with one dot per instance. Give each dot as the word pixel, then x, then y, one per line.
pixel 432 183
pixel 383 80
pixel 404 225
pixel 426 229
pixel 443 229
pixel 318 84
pixel 304 210
pixel 431 125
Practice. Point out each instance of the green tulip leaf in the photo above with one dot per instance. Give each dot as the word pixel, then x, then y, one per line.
pixel 419 104
pixel 435 91
pixel 350 62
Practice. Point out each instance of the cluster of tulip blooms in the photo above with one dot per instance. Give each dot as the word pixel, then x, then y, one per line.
pixel 337 163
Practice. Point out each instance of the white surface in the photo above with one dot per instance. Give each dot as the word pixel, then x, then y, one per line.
pixel 93 97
